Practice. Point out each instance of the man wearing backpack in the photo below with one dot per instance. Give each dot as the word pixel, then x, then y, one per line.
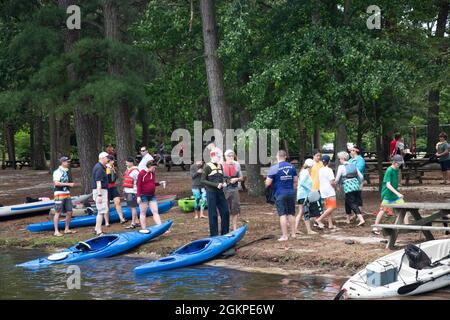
pixel 130 190
pixel 351 180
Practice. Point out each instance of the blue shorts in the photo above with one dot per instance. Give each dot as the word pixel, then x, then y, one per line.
pixel 148 198
pixel 285 204
pixel 445 165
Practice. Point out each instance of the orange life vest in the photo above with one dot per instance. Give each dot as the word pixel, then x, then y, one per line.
pixel 128 181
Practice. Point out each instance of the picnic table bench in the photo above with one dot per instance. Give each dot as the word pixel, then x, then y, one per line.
pixel 420 223
pixel 15 164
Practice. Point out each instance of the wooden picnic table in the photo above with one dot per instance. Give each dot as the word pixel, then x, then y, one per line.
pixel 420 223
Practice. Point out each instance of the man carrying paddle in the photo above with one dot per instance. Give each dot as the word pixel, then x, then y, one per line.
pixel 62 179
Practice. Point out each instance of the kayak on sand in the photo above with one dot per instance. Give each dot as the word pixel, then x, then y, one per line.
pixel 194 253
pixel 100 247
pixel 38 206
pixel 90 220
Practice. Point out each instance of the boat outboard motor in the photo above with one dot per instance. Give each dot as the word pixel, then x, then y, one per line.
pixel 417 258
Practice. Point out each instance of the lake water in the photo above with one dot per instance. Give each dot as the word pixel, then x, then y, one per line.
pixel 113 278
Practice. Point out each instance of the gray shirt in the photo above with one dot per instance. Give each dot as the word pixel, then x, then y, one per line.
pixel 196 177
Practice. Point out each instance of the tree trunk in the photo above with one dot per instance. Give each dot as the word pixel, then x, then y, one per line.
pixel 63 132
pixel 122 113
pixel 145 131
pixel 219 110
pixel 10 144
pixel 433 96
pixel 341 137
pixel 316 137
pixel 87 126
pixel 380 156
pixel 301 141
pixel 360 132
pixel 38 156
pixel 53 142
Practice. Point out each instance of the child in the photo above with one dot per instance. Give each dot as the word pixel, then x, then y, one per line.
pixel 389 191
pixel 198 190
pixel 304 187
pixel 327 192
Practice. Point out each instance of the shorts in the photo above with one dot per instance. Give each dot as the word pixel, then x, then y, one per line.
pixel 330 203
pixel 102 207
pixel 387 209
pixel 63 205
pixel 234 203
pixel 445 165
pixel 131 200
pixel 285 204
pixel 113 193
pixel 200 198
pixel 148 199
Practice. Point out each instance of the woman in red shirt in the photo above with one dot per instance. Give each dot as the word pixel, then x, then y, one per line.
pixel 146 186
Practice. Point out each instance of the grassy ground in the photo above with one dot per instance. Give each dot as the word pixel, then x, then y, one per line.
pixel 326 252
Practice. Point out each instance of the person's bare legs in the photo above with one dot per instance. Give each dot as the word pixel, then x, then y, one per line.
pixel 291 220
pixel 154 208
pixel 361 219
pixel 308 227
pixel 284 231
pixel 98 223
pixel 134 218
pixel 201 213
pixel 298 218
pixel 55 223
pixel 445 177
pixel 143 215
pixel 234 220
pixel 107 216
pixel 119 208
pixel 196 214
pixel 68 218
pixel 378 220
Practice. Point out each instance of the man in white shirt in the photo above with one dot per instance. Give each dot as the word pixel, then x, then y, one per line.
pixel 146 157
pixel 327 192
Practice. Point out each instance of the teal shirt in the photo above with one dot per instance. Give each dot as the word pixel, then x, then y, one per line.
pixel 304 184
pixel 359 162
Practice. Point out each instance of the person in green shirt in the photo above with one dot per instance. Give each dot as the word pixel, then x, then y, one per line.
pixel 443 154
pixel 389 190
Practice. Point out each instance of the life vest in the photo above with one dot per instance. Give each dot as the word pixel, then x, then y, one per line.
pixel 112 175
pixel 215 169
pixel 66 177
pixel 128 181
pixel 230 170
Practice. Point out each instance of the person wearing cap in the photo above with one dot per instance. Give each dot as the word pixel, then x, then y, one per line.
pixel 146 157
pixel 327 192
pixel 315 170
pixel 198 190
pixel 146 198
pixel 304 187
pixel 233 175
pixel 351 180
pixel 389 190
pixel 214 182
pixel 113 192
pixel 443 154
pixel 282 177
pixel 100 190
pixel 130 190
pixel 62 180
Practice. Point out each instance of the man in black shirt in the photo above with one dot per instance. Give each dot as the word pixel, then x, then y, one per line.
pixel 100 190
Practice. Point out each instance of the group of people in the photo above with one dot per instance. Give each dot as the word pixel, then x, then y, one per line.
pixel 139 185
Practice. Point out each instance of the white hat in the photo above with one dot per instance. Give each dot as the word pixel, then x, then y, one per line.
pixel 229 152
pixel 309 163
pixel 103 155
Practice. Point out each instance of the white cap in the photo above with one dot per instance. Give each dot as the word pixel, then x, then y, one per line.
pixel 228 152
pixel 309 163
pixel 103 155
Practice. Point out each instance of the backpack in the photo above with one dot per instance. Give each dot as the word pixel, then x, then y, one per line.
pixel 350 171
pixel 313 204
pixel 417 258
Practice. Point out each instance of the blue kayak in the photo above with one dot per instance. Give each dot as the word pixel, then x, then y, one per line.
pixel 100 247
pixel 194 253
pixel 90 220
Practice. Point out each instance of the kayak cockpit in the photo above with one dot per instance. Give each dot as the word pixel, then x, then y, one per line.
pixel 97 243
pixel 194 247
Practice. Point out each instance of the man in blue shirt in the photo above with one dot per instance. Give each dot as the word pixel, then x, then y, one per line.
pixel 100 190
pixel 282 177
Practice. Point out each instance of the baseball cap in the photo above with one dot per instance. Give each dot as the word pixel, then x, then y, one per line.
pixel 326 158
pixel 229 152
pixel 103 155
pixel 64 159
pixel 130 159
pixel 309 163
pixel 398 159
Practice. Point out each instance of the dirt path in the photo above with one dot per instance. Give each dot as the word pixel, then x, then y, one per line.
pixel 325 253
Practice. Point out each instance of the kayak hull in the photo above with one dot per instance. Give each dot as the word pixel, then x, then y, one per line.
pixel 188 204
pixel 108 245
pixel 36 206
pixel 194 253
pixel 90 220
pixel 427 280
